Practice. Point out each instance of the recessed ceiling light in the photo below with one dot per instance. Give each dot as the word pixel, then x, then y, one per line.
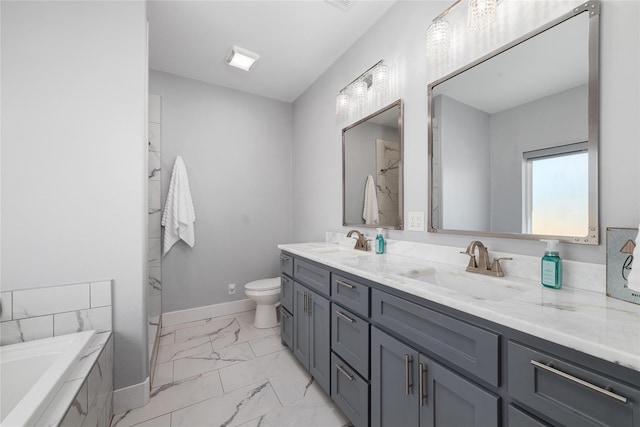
pixel 241 58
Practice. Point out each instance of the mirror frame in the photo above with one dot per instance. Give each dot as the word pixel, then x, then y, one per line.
pixel 400 226
pixel 592 8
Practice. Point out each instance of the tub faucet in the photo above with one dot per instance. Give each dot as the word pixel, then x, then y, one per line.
pixel 481 265
pixel 361 243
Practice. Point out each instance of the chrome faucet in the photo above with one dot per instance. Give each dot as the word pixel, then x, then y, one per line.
pixel 481 265
pixel 361 243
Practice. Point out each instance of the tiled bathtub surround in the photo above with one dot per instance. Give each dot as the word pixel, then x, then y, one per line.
pixel 86 398
pixel 58 310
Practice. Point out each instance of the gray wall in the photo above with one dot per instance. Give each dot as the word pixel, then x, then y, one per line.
pixel 512 134
pixel 466 154
pixel 360 152
pixel 399 38
pixel 237 150
pixel 74 157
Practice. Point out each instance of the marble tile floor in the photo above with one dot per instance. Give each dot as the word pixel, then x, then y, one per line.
pixel 224 372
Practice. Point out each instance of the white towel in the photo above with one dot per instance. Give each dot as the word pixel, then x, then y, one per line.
pixel 633 281
pixel 370 211
pixel 179 216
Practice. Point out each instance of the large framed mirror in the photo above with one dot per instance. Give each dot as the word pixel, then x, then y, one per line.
pixel 513 137
pixel 372 170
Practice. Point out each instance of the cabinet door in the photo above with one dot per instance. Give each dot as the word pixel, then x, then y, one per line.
pixel 286 327
pixel 394 385
pixel 320 340
pixel 301 324
pixel 286 293
pixel 450 400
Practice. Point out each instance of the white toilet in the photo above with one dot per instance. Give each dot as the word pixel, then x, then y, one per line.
pixel 266 294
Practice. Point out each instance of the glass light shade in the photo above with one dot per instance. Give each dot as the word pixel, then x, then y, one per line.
pixel 342 103
pixel 438 38
pixel 380 77
pixel 481 14
pixel 359 91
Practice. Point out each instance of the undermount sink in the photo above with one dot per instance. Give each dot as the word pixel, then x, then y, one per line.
pixel 481 287
pixel 341 249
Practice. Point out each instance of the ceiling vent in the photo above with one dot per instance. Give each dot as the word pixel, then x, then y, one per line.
pixel 343 5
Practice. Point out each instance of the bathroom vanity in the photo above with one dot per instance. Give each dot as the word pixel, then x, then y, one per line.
pixel 399 341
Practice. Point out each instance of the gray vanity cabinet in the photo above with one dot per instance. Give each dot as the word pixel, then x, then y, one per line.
pixel 311 334
pixel 567 394
pixel 410 389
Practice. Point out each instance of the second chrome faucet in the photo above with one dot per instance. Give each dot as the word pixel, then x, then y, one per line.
pixel 481 264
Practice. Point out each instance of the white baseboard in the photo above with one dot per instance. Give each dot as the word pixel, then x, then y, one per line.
pixel 132 397
pixel 200 313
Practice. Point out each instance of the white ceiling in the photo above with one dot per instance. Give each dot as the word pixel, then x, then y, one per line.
pixel 296 40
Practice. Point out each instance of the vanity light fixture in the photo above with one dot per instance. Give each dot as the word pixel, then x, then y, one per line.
pixel 376 79
pixel 241 58
pixel 481 15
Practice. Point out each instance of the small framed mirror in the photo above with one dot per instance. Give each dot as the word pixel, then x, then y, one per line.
pixel 372 170
pixel 513 137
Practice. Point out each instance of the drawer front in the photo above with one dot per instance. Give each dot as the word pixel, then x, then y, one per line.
pixel 350 294
pixel 569 394
pixel 519 418
pixel 350 339
pixel 349 392
pixel 286 327
pixel 286 265
pixel 286 293
pixel 471 348
pixel 313 276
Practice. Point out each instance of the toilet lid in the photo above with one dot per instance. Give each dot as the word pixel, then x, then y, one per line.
pixel 263 285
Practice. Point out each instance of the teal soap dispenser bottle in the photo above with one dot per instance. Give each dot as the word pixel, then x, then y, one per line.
pixel 551 266
pixel 379 242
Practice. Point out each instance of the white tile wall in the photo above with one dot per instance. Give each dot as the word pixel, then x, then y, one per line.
pixel 57 310
pixel 41 301
pixel 100 293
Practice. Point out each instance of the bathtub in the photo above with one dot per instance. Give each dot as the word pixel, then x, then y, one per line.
pixel 31 374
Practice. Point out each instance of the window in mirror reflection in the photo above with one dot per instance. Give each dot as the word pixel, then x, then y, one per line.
pixel 556 190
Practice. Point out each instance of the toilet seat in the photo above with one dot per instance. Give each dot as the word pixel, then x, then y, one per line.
pixel 263 285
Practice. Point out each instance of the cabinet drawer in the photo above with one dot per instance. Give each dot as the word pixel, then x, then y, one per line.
pixel 471 348
pixel 569 394
pixel 313 276
pixel 286 293
pixel 353 295
pixel 286 327
pixel 519 418
pixel 350 392
pixel 350 339
pixel 286 265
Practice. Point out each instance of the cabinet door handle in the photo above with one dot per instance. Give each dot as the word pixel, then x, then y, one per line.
pixel 284 313
pixel 309 304
pixel 408 360
pixel 344 316
pixel 423 393
pixel 304 305
pixel 283 260
pixel 345 284
pixel 549 368
pixel 345 373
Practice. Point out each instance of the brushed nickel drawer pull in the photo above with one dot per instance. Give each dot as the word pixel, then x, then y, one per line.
pixel 345 284
pixel 344 316
pixel 310 305
pixel 345 373
pixel 570 377
pixel 284 313
pixel 305 303
pixel 423 394
pixel 408 360
pixel 283 260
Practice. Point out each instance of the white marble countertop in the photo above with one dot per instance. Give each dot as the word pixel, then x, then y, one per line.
pixel 584 320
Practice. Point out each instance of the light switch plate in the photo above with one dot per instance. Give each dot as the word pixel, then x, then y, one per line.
pixel 416 221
